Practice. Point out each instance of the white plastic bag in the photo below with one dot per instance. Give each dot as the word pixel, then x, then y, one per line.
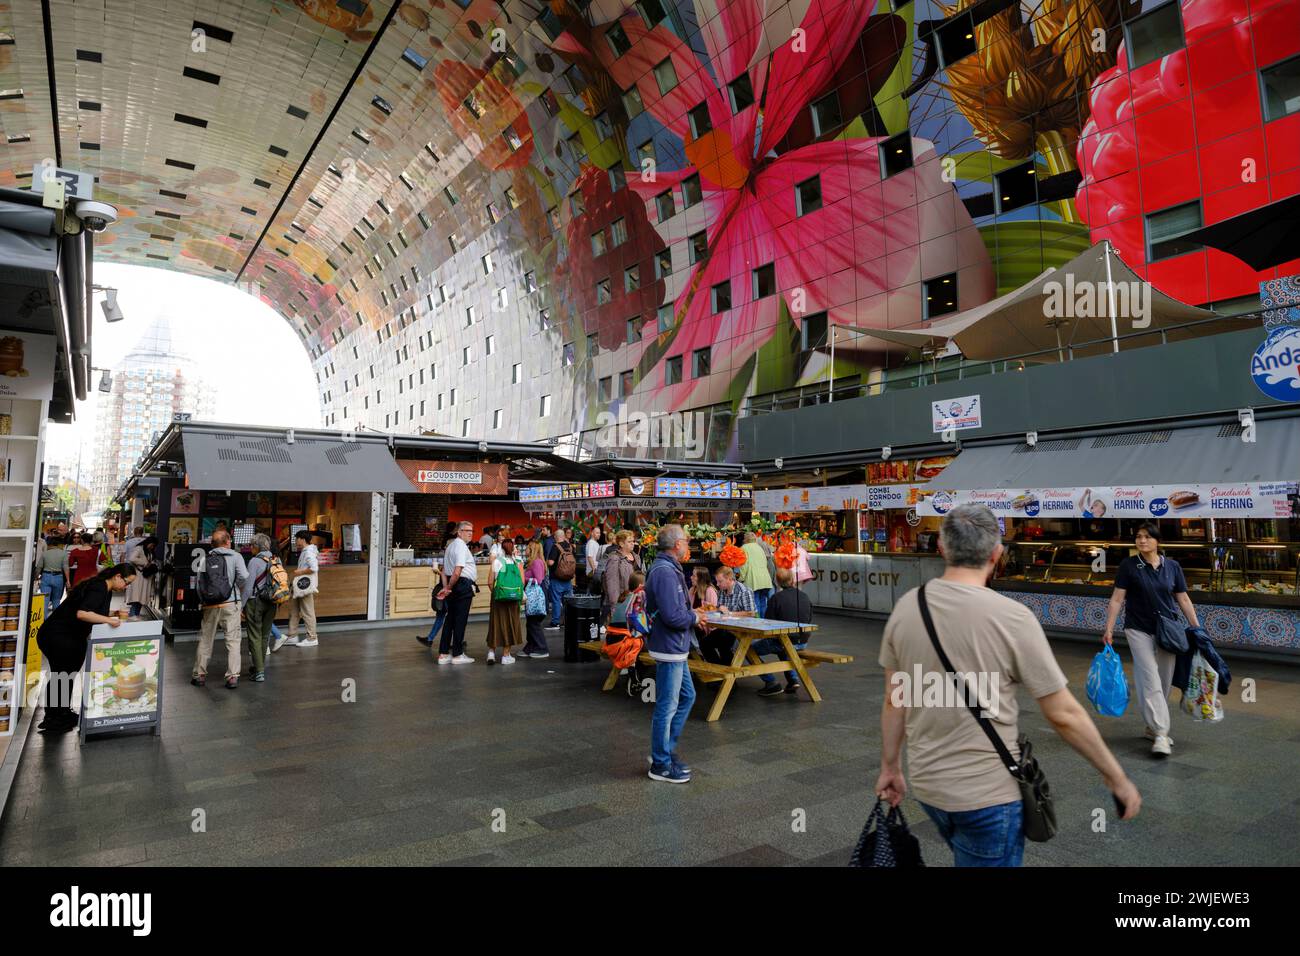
pixel 1201 695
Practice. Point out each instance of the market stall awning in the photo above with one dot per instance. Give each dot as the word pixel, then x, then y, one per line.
pixel 1201 455
pixel 1065 306
pixel 256 461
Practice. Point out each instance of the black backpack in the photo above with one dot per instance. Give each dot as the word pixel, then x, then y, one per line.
pixel 215 586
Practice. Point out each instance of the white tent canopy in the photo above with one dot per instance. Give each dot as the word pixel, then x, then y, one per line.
pixel 1069 305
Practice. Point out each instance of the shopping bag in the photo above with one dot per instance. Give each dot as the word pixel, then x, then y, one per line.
pixel 534 599
pixel 886 841
pixel 1201 695
pixel 1107 688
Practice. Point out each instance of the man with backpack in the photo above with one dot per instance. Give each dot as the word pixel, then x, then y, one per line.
pixel 265 590
pixel 564 565
pixel 221 582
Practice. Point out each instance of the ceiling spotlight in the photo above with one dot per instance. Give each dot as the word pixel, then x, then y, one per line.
pixel 111 311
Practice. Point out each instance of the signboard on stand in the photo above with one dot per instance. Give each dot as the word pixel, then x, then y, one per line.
pixel 26 365
pixel 122 679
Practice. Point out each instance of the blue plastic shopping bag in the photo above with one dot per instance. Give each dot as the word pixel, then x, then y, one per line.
pixel 1107 688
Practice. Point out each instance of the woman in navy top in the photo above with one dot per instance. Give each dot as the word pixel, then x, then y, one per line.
pixel 1149 585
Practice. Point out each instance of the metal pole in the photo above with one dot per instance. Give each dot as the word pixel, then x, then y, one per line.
pixel 1110 299
pixel 830 377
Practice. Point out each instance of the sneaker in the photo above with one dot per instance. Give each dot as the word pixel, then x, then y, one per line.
pixel 462 659
pixel 679 764
pixel 1150 734
pixel 771 690
pixel 522 654
pixel 792 686
pixel 507 659
pixel 232 683
pixel 539 657
pixel 259 677
pixel 444 658
pixel 423 639
pixel 668 774
pixel 280 641
pixel 290 641
pixel 310 642
pixel 1162 747
pixel 491 658
pixel 198 681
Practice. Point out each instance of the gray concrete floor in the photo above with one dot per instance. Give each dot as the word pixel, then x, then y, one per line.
pixel 419 768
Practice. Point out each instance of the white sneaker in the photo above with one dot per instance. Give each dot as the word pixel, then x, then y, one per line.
pixel 492 657
pixel 444 658
pixel 462 659
pixel 287 641
pixel 521 654
pixel 312 642
pixel 507 659
pixel 539 657
pixel 278 643
pixel 1150 734
pixel 1162 747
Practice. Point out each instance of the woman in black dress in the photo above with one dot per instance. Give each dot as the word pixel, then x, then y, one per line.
pixel 63 636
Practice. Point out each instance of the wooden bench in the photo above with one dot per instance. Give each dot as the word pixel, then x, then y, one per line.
pixel 709 673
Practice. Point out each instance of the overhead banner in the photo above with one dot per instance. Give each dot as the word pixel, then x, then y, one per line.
pixel 839 498
pixel 455 477
pixel 702 488
pixel 1237 500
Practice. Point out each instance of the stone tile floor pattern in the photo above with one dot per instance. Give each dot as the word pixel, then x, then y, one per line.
pixel 417 769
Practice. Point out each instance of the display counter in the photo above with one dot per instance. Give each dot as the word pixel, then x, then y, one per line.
pixel 410 590
pixel 344 592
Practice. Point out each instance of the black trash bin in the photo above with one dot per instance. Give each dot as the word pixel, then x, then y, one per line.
pixel 581 623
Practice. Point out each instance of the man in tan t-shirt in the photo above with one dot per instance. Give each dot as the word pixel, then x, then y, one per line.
pixel 997 645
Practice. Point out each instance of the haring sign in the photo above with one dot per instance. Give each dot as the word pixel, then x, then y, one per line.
pixel 456 477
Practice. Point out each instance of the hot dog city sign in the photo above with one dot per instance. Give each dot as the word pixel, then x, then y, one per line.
pixel 1237 500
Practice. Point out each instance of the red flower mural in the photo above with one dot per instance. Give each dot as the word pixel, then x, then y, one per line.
pixel 1188 126
pixel 484 112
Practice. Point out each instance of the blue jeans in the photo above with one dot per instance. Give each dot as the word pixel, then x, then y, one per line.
pixel 993 836
pixel 275 632
pixel 558 590
pixel 674 695
pixel 437 623
pixel 770 645
pixel 52 588
pixel 761 596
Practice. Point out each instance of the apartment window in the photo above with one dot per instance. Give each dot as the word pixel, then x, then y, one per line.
pixel 544 318
pixel 553 217
pixel 567 355
pixel 617 180
pixel 663 263
pixel 939 296
pixel 442 294
pixel 720 296
pixel 1015 187
pixel 1280 89
pixel 692 192
pixel 631 278
pixel 664 318
pixel 632 102
pixel 494 214
pixel 512 197
pixel 496 418
pixel 826 114
pixel 451 397
pixel 634 330
pixel 575 146
pixel 598 245
pixel 808 196
pixel 701 360
pixel 440 401
pixel 764 281
pixel 741 93
pixel 625 383
pixel 464 428
pixel 617 40
pixel 516 373
pixel 489 345
pixel 487 264
pixel 502 299
pixel 593 345
pixel 665 76
pixel 604 292
pixel 546 406
pixel 469 316
pixel 604 128
pixel 1154 35
pixel 618 230
pixel 895 155
pixel 699 121
pixel 673 370
pixel 604 389
pixel 956 39
pixel 652 11
pixel 812 331
pixel 421 408
pixel 698 247
pixel 465 356
pixel 576 205
pixel 1166 228
pixel 664 207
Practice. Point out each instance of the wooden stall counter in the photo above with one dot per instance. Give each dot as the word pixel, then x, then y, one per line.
pixel 344 592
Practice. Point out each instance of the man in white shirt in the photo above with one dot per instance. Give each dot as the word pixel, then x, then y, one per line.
pixel 593 552
pixel 460 577
pixel 304 583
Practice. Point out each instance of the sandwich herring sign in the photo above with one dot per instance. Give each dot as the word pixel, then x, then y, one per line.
pixel 1266 499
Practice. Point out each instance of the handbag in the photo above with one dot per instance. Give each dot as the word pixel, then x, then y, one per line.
pixel 1035 794
pixel 886 841
pixel 1169 634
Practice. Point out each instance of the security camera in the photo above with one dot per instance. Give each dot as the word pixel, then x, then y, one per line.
pixel 95 216
pixel 483 446
pixel 780 463
pixel 885 453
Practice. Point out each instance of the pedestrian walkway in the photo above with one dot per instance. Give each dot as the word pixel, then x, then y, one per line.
pixel 421 765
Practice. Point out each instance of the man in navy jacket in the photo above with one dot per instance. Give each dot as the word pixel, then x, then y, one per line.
pixel 673 621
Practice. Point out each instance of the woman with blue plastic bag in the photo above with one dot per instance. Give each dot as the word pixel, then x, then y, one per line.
pixel 535 602
pixel 1151 589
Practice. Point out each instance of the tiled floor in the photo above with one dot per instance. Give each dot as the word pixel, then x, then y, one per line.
pixel 532 764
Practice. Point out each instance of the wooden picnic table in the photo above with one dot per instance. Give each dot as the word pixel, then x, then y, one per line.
pixel 746 663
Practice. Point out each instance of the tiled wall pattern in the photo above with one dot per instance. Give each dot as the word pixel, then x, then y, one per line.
pixel 502 220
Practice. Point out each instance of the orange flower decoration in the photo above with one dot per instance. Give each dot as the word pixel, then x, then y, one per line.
pixel 732 556
pixel 786 555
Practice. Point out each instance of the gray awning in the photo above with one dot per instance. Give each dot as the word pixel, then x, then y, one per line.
pixel 1200 455
pixel 229 461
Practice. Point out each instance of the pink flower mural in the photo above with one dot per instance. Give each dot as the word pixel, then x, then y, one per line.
pixel 861 256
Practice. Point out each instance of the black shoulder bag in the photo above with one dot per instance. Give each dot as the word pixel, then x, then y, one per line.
pixel 1170 634
pixel 1039 813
